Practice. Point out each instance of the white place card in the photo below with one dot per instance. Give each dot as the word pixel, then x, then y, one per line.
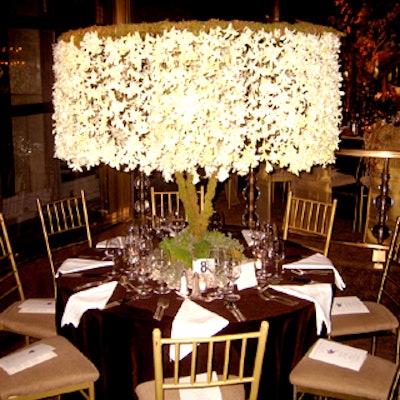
pixel 343 305
pixel 200 393
pixel 38 306
pixel 338 354
pixel 247 278
pixel 27 358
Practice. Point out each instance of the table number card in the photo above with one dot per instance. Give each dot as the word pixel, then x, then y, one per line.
pixel 203 265
pixel 338 354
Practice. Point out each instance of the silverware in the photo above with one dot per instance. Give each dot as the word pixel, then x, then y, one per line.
pixel 162 305
pixel 92 284
pixel 233 308
pixel 267 296
pixel 301 272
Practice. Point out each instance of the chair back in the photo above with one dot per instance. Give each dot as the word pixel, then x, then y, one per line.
pixel 64 223
pixel 10 284
pixel 164 203
pixel 389 289
pixel 248 347
pixel 312 217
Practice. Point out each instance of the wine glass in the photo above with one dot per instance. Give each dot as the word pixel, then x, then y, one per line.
pixel 215 257
pixel 232 270
pixel 132 249
pixel 114 252
pixel 262 251
pixel 161 261
pixel 176 222
pixel 143 271
pixel 278 257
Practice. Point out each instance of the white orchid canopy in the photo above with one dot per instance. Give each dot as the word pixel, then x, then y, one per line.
pixel 220 99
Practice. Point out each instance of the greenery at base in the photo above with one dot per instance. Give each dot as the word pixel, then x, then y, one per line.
pixel 185 247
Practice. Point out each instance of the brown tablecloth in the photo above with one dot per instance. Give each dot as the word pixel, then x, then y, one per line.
pixel 118 340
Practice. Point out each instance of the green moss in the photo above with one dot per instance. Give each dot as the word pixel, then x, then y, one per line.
pixel 185 247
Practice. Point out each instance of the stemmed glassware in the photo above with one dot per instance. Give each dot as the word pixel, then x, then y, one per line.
pixel 176 222
pixel 114 251
pixel 278 257
pixel 215 257
pixel 161 261
pixel 232 270
pixel 144 268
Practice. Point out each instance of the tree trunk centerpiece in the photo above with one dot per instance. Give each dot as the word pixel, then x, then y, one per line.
pixel 211 96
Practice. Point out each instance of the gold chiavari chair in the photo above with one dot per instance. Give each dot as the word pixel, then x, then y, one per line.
pixel 311 218
pixel 65 223
pixel 36 325
pixel 230 380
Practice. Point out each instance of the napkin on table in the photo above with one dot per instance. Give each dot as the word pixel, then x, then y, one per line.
pixel 319 293
pixel 116 242
pixel 80 302
pixel 193 320
pixel 317 261
pixel 81 264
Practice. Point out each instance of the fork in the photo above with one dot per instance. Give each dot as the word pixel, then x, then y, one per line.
pixel 267 296
pixel 162 305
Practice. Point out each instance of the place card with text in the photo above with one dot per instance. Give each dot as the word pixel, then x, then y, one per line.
pixel 338 354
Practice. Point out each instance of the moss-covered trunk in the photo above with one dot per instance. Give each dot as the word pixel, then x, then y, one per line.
pixel 197 218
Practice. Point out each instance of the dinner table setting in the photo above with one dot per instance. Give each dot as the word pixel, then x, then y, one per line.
pixel 109 302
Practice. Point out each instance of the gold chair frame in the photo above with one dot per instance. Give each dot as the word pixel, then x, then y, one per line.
pixel 61 216
pixel 382 318
pixel 162 384
pixel 30 325
pixel 70 371
pixel 164 203
pixel 310 217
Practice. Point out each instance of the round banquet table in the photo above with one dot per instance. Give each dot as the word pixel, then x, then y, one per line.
pixel 118 340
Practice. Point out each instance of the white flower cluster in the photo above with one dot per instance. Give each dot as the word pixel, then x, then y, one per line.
pixel 222 100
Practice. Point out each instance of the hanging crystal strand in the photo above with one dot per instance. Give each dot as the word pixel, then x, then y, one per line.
pixel 141 205
pixel 251 193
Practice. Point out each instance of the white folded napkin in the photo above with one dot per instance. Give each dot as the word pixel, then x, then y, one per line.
pixel 81 264
pixel 319 293
pixel 317 261
pixel 193 320
pixel 80 302
pixel 117 242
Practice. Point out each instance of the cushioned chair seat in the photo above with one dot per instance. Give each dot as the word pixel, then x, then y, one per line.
pixel 146 390
pixel 378 319
pixel 373 381
pixel 38 326
pixel 69 369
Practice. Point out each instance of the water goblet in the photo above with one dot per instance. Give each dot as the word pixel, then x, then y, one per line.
pixel 278 259
pixel 176 223
pixel 232 269
pixel 161 261
pixel 114 252
pixel 143 268
pixel 215 256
